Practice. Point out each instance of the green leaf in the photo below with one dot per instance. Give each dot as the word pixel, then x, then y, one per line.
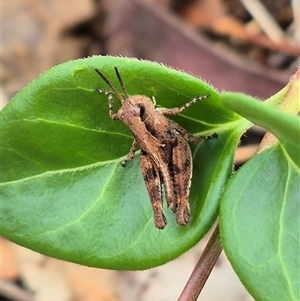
pixel 285 126
pixel 63 191
pixel 259 222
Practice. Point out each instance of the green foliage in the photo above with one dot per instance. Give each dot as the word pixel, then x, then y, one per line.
pixel 260 209
pixel 65 194
pixel 260 225
pixel 284 125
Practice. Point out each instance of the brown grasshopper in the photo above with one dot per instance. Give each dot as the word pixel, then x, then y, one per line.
pixel 165 154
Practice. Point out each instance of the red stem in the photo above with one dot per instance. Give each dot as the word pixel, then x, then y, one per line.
pixel 203 268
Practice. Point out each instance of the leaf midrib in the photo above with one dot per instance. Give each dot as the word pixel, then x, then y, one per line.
pixel 60 171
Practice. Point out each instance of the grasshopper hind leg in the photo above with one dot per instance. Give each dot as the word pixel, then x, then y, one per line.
pixel 153 184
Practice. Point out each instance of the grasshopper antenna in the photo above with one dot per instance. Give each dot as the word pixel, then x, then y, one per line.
pixel 111 86
pixel 121 82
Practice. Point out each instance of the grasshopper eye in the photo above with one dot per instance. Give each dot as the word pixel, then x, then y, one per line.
pixel 142 109
pixel 138 110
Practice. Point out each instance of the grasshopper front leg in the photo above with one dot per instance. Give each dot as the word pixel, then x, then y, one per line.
pixel 131 153
pixel 178 110
pixel 112 115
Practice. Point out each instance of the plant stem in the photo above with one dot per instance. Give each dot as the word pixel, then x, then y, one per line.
pixel 203 268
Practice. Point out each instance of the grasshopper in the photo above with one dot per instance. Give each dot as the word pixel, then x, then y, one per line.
pixel 165 154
